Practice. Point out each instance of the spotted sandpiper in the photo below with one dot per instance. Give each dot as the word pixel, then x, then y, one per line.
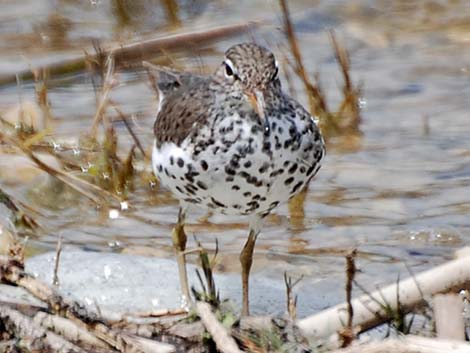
pixel 232 142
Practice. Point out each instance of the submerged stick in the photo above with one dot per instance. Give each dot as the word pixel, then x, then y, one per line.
pixel 369 308
pixel 136 51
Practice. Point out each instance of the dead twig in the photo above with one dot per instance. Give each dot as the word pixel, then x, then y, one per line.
pixel 67 178
pixel 347 334
pixel 129 129
pixel 55 280
pixel 291 298
pixel 38 339
pixel 68 329
pixel 12 273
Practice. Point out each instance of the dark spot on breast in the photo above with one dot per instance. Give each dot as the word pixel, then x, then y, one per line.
pixel 234 164
pixel 229 170
pixel 191 189
pixel 263 168
pixel 296 187
pixel 318 154
pixel 292 130
pixel 229 179
pixel 256 197
pixel 204 165
pixel 289 181
pixel 302 169
pixel 201 185
pixel 218 203
pixel 310 170
pixel 255 129
pixel 235 187
pixel 293 168
pixel 180 162
pixel 253 205
pixel 160 168
pixel 276 173
pixel 273 204
pixel 247 164
pixel 308 148
pixel 247 194
pixel 266 146
pixel 244 174
pixel 172 160
pixel 316 135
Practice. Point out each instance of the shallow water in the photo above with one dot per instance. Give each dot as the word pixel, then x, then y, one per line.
pixel 400 193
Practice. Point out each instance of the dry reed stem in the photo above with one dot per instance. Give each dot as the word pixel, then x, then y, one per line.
pixel 317 103
pixel 290 296
pixel 224 342
pixel 108 84
pixel 350 93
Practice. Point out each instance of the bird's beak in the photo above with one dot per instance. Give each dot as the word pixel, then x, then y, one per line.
pixel 256 99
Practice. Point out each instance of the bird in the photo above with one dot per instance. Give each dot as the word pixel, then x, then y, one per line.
pixel 232 142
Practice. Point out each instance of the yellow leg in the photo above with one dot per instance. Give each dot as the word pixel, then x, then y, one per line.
pixel 246 260
pixel 179 243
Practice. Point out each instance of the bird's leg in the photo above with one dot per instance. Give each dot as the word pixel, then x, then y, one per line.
pixel 246 260
pixel 179 243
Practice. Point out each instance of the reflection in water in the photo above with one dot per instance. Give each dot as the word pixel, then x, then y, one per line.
pixel 54 31
pixel 297 211
pixel 121 13
pixel 171 10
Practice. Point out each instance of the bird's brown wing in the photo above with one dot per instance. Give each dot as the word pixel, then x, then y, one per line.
pixel 183 111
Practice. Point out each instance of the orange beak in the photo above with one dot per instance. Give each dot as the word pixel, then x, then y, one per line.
pixel 256 99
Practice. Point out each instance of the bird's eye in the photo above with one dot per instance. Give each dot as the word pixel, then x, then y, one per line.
pixel 228 70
